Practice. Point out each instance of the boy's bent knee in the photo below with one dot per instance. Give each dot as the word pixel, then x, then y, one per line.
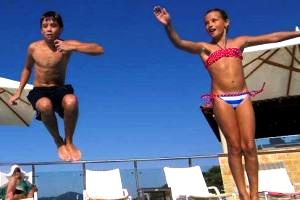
pixel 70 101
pixel 44 105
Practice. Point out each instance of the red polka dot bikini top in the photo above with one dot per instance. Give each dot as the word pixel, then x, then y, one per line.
pixel 223 52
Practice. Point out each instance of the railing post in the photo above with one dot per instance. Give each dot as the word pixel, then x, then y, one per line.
pixel 137 182
pixel 33 174
pixel 190 162
pixel 83 175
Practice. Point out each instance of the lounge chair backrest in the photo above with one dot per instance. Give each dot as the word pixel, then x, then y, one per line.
pixel 274 178
pixel 3 179
pixel 104 184
pixel 187 181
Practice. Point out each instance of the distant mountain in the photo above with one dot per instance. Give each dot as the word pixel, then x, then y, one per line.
pixel 65 196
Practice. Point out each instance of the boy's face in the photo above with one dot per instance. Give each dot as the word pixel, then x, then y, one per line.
pixel 50 29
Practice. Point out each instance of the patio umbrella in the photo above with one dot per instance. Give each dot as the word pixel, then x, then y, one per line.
pixel 276 64
pixel 20 114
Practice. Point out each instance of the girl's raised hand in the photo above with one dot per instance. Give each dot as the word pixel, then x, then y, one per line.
pixel 162 15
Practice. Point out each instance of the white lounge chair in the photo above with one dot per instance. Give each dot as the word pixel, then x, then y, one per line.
pixel 189 183
pixel 28 175
pixel 104 185
pixel 274 181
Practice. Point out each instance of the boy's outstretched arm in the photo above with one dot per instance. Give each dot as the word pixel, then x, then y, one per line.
pixel 164 18
pixel 25 75
pixel 82 47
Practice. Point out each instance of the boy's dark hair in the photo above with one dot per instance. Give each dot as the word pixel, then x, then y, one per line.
pixel 54 16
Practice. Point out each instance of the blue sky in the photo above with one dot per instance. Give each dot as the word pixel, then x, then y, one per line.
pixel 142 97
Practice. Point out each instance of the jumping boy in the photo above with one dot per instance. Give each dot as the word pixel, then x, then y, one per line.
pixel 49 59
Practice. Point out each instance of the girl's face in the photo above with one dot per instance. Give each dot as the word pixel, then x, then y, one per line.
pixel 215 24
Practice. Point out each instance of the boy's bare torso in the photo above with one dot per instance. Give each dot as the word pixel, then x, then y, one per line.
pixel 49 64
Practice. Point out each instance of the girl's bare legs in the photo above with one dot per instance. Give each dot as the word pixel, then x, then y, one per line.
pixel 246 120
pixel 226 118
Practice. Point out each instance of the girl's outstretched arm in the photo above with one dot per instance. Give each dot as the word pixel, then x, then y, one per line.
pixel 268 38
pixel 164 18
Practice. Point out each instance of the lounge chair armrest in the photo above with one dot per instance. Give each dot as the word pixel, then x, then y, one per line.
pixel 126 194
pixel 215 189
pixel 125 197
pixel 85 196
pixel 211 196
pixel 221 195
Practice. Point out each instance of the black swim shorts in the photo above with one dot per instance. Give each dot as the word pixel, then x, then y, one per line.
pixel 55 94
